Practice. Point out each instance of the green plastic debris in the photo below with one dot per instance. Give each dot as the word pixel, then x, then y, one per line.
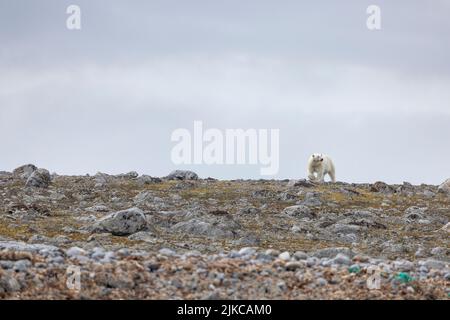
pixel 404 277
pixel 354 269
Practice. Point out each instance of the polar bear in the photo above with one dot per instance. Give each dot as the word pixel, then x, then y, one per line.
pixel 322 165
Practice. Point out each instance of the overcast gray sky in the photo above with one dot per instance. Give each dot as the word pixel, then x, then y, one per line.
pixel 107 97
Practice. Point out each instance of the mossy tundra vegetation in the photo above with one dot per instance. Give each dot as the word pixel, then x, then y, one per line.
pixel 141 237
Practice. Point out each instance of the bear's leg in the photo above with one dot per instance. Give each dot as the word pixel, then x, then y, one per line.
pixel 332 172
pixel 320 176
pixel 332 176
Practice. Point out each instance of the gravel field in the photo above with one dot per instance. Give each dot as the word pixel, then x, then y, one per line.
pixel 134 236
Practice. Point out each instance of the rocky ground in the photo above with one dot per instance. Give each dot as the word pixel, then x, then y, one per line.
pixel 181 237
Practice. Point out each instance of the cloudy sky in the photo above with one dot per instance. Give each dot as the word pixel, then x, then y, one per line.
pixel 107 97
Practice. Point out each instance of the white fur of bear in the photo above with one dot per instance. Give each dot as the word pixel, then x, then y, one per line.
pixel 321 165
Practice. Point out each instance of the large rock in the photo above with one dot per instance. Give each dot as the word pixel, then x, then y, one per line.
pixel 182 175
pixel 122 223
pixel 101 179
pixel 312 199
pixel 406 188
pixel 381 187
pixel 301 183
pixel 146 179
pixel 445 187
pixel 345 228
pixel 214 228
pixel 39 179
pixel 299 211
pixel 23 172
pixel 415 213
pixel 145 236
pixel 145 197
pixel 128 175
pixel 364 223
pixel 33 248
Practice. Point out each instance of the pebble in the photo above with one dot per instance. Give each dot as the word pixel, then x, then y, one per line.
pixel 22 265
pixel 56 260
pixel 293 265
pixel 311 261
pixel 300 255
pixel 234 254
pixel 98 253
pixel 341 259
pixel 124 252
pixel 285 256
pixel 167 252
pixel 109 256
pixel 354 268
pixel 273 252
pixel 75 252
pixel 326 262
pixel 423 269
pixel 247 251
pixel 282 285
pixel 321 282
pixel 264 257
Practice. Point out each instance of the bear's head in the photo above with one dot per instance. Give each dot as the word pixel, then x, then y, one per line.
pixel 317 157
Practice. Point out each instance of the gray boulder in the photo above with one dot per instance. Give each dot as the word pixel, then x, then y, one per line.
pixel 218 229
pixel 299 211
pixel 122 223
pixel 445 187
pixel 101 179
pixel 345 228
pixel 33 248
pixel 144 236
pixel 146 179
pixel 182 175
pixel 301 183
pixel 415 213
pixel 40 178
pixel 23 172
pixel 382 187
pixel 312 199
pixel 128 175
